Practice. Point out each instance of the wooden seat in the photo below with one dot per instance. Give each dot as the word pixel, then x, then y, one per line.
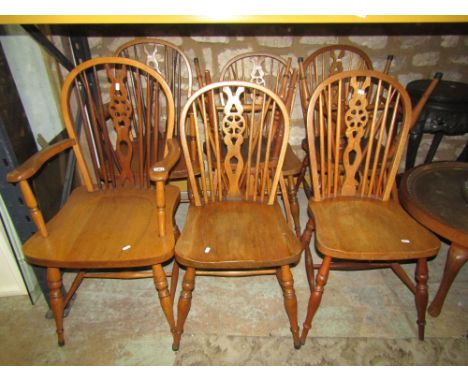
pixel 117 220
pixel 275 73
pixel 354 158
pixel 235 226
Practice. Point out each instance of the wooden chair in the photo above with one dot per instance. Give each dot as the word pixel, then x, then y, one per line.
pixel 350 210
pixel 174 66
pixel 235 227
pixel 112 109
pixel 317 67
pixel 275 73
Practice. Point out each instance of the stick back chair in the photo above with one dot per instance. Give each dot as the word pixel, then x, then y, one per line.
pixel 357 128
pixel 121 220
pixel 235 227
pixel 174 66
pixel 317 67
pixel 275 73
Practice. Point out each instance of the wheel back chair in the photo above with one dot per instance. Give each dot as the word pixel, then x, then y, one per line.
pixel 275 73
pixel 235 226
pixel 357 127
pixel 122 217
pixel 317 67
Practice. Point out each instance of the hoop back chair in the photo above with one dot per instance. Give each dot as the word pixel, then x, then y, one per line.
pixel 174 66
pixel 121 218
pixel 235 227
pixel 317 67
pixel 357 128
pixel 275 73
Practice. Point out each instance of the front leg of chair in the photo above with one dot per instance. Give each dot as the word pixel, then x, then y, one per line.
pixel 421 295
pixel 183 307
pixel 309 264
pixel 292 195
pixel 160 282
pixel 286 281
pixel 456 258
pixel 54 282
pixel 316 296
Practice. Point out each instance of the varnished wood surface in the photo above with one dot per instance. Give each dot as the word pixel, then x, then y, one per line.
pixel 433 194
pixel 365 229
pixel 236 235
pixel 94 230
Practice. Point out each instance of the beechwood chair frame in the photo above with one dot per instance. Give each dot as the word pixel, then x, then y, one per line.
pixel 231 114
pixel 354 178
pixel 112 178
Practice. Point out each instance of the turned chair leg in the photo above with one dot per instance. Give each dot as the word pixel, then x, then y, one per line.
pixel 316 296
pixel 456 258
pixel 160 282
pixel 421 295
pixel 292 196
pixel 183 307
pixel 174 279
pixel 309 264
pixel 286 281
pixel 54 282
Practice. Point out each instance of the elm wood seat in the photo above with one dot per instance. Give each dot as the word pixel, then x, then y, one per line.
pixel 275 73
pixel 355 220
pixel 235 226
pixel 117 222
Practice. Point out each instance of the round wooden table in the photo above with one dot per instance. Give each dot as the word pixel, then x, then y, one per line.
pixel 436 195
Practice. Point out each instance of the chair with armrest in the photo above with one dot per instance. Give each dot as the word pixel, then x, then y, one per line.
pixel 120 222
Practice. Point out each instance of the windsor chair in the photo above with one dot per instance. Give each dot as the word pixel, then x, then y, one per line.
pixel 120 222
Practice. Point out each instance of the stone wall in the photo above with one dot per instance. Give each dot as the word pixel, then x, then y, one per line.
pixel 419 50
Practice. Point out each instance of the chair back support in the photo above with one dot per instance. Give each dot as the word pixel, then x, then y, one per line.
pixel 265 69
pixel 123 111
pixel 235 124
pixel 357 127
pixel 168 60
pixel 326 62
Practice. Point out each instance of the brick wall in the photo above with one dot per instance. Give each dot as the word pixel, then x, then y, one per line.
pixel 419 50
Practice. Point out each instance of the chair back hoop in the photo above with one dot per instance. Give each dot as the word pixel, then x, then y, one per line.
pixel 235 125
pixel 327 61
pixel 122 111
pixel 269 70
pixel 357 127
pixel 168 60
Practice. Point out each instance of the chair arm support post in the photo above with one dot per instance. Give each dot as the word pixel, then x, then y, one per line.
pixel 34 163
pixel 161 207
pixel 31 203
pixel 159 171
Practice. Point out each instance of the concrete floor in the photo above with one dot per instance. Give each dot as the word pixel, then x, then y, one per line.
pixel 366 318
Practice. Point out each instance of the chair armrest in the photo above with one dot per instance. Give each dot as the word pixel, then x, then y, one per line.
pixel 159 171
pixel 35 162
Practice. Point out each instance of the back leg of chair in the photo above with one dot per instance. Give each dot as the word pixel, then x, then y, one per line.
pixel 183 307
pixel 309 264
pixel 286 281
pixel 316 296
pixel 54 282
pixel 160 281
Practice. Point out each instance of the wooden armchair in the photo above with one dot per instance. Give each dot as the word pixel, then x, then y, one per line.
pixel 174 66
pixel 122 218
pixel 235 227
pixel 275 73
pixel 350 210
